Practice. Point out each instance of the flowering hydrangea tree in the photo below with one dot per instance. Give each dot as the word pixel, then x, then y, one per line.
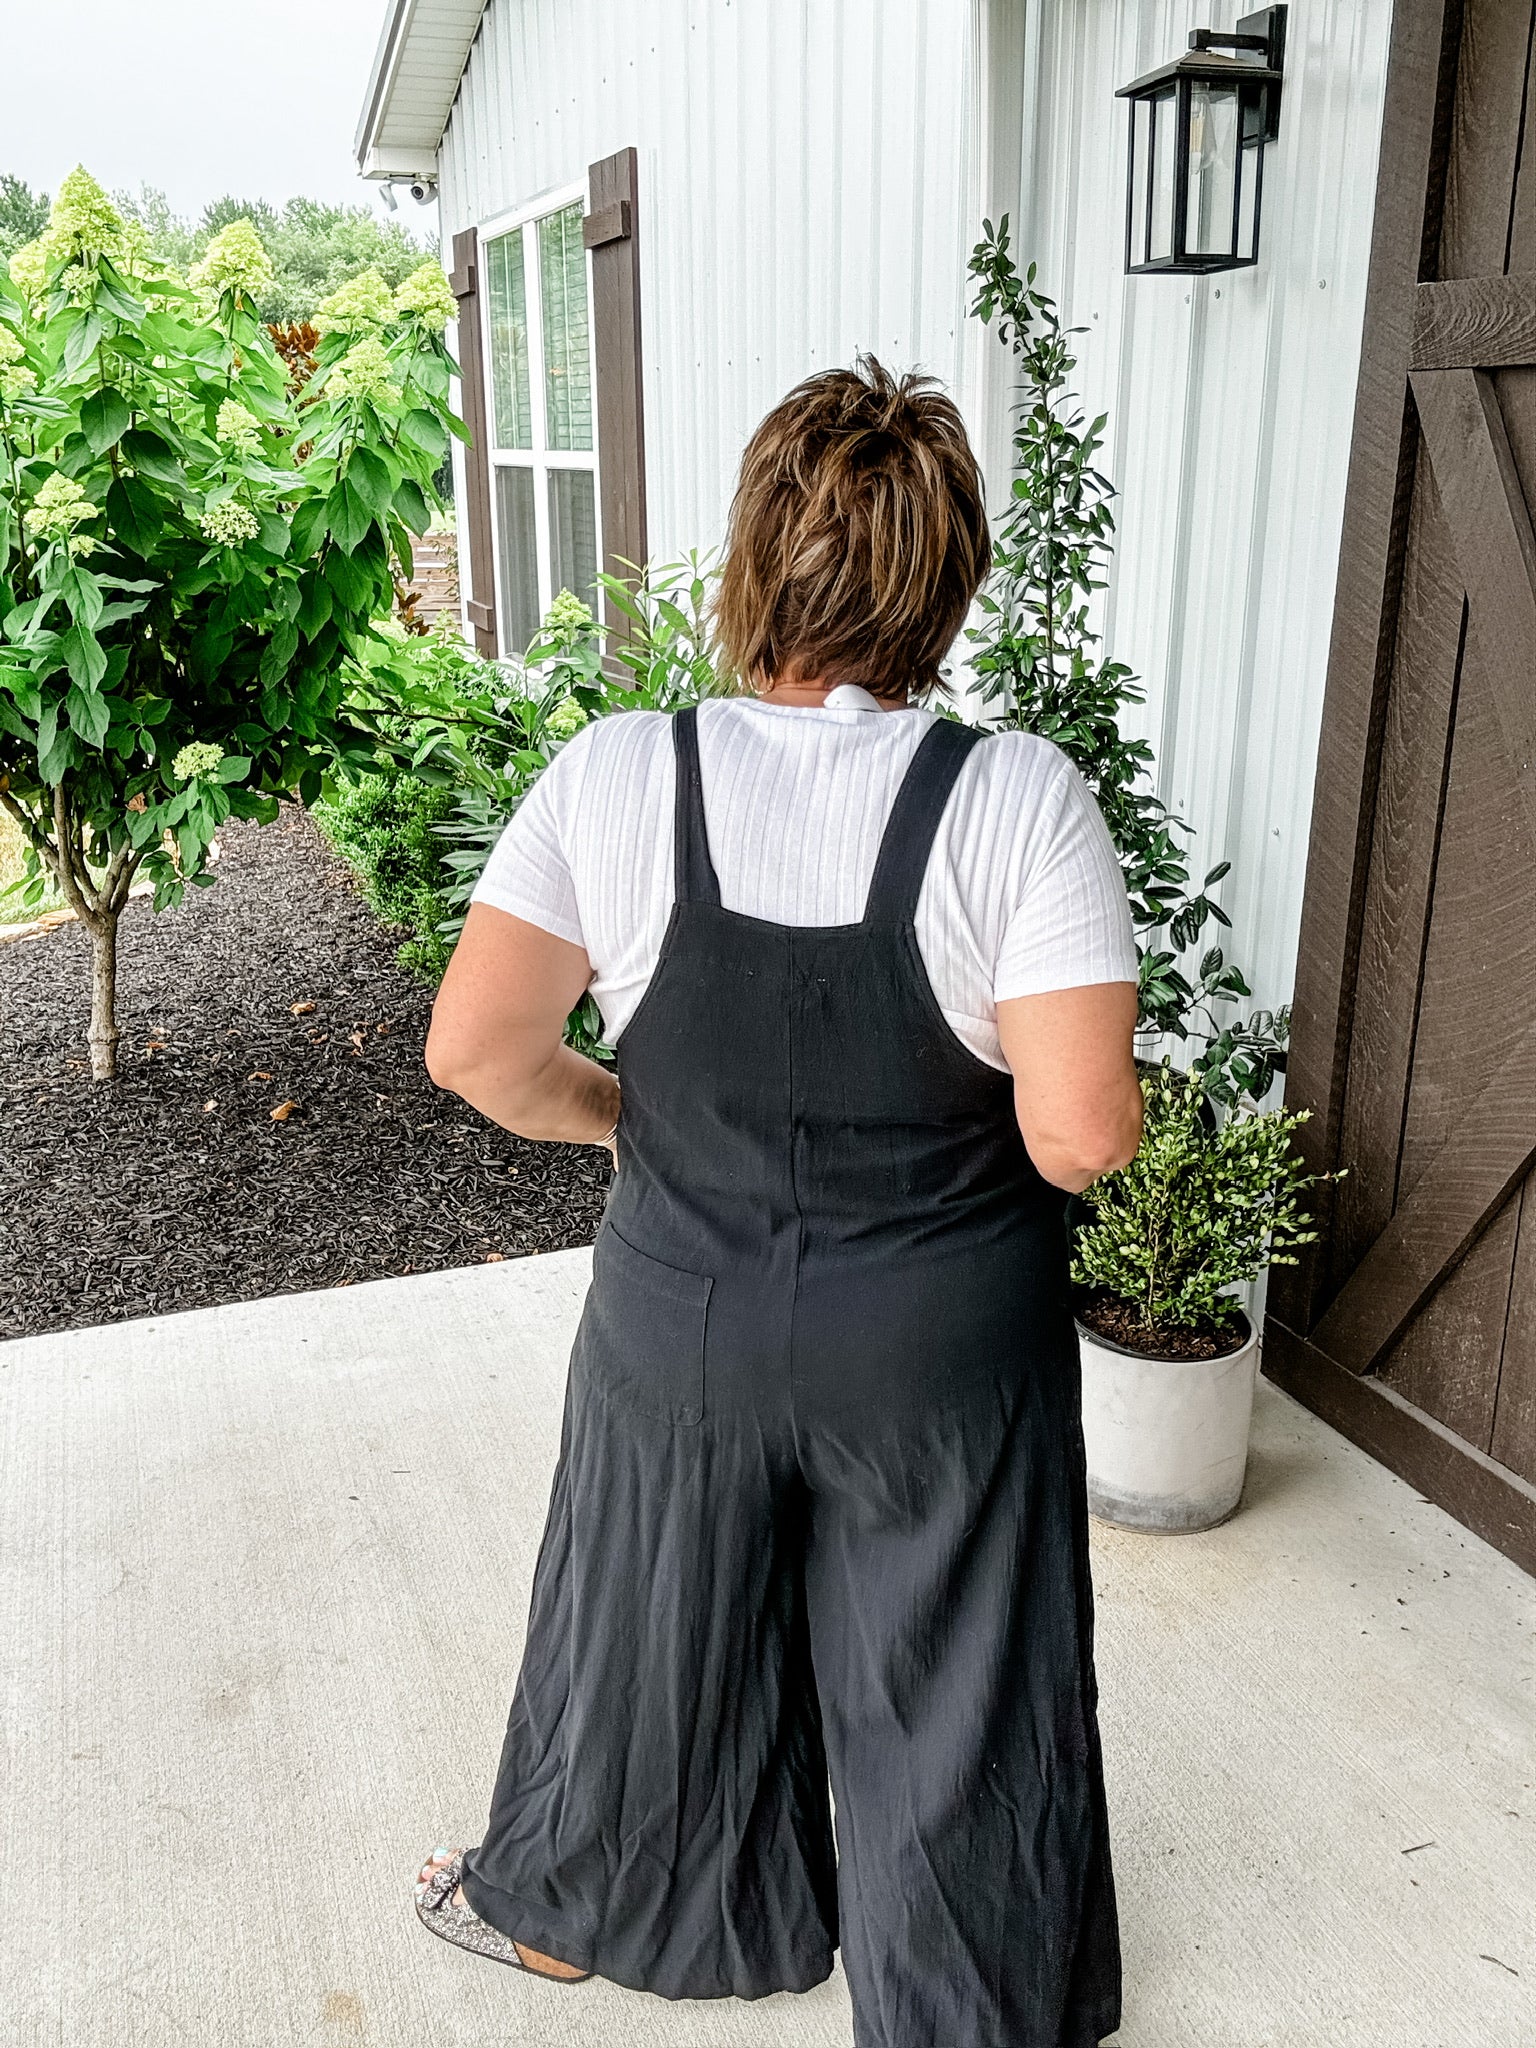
pixel 193 553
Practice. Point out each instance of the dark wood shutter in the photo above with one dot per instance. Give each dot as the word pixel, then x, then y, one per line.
pixel 480 582
pixel 612 234
pixel 1412 1325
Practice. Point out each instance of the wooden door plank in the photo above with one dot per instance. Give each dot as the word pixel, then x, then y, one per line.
pixel 1377 497
pixel 1513 1441
pixel 1486 136
pixel 1490 525
pixel 1394 926
pixel 1468 1180
pixel 1475 323
pixel 1522 226
pixel 1447 1360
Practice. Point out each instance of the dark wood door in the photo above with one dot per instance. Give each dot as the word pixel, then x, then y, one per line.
pixel 1413 1324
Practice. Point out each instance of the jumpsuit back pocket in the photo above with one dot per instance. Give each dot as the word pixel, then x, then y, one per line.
pixel 641 1340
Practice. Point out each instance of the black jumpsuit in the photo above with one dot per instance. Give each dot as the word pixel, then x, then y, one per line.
pixel 820 1509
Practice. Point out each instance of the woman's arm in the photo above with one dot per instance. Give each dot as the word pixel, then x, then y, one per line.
pixel 496 1032
pixel 1075 1087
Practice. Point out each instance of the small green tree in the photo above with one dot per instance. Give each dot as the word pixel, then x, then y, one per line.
pixel 1038 661
pixel 192 553
pixel 1202 1209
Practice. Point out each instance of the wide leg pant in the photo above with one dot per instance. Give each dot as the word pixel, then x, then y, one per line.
pixel 806 1576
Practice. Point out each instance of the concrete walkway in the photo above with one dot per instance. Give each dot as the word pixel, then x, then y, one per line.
pixel 264 1577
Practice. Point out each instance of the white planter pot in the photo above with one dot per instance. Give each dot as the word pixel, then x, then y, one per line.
pixel 1167 1438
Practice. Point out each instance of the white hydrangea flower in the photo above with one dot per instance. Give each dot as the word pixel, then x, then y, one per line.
pixel 83 222
pixel 235 260
pixel 237 428
pixel 427 296
pixel 230 523
pixel 11 350
pixel 29 267
pixel 360 306
pixel 59 507
pixel 197 757
pixel 567 614
pixel 16 380
pixel 363 372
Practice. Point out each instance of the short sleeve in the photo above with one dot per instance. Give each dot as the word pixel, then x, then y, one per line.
pixel 529 871
pixel 1072 924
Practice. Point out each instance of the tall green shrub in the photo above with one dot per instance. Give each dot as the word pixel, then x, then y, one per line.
pixel 1040 667
pixel 192 553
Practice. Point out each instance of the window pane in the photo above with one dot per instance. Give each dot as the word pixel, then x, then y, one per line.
pixel 519 557
pixel 573 534
pixel 563 306
pixel 1212 169
pixel 508 299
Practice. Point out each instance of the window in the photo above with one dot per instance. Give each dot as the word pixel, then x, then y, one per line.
pixel 543 459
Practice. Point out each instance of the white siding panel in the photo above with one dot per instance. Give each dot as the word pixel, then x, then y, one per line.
pixel 1230 401
pixel 806 176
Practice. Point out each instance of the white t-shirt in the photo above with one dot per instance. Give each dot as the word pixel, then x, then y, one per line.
pixel 1023 892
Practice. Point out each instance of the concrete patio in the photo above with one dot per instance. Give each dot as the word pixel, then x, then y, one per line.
pixel 265 1575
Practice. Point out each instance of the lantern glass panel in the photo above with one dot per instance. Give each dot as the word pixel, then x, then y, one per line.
pixel 1141 155
pixel 1160 177
pixel 1214 128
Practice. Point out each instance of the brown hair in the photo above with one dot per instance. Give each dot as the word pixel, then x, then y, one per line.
pixel 858 535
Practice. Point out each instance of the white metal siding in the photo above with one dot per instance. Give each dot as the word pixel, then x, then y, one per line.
pixel 806 173
pixel 1230 402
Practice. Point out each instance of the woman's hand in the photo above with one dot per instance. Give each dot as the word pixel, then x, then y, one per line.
pixel 498 1028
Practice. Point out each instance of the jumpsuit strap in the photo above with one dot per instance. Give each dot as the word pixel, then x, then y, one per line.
pixel 694 877
pixel 914 821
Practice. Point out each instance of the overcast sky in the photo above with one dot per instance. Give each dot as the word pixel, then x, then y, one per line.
pixel 259 98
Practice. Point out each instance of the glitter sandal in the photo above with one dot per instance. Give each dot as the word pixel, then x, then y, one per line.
pixel 464 1927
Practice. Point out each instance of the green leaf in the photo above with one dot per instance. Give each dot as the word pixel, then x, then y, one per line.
pixel 90 715
pixel 233 768
pixel 104 419
pixel 348 516
pixel 82 593
pixel 306 527
pixel 411 504
pixel 55 749
pixel 113 293
pixel 279 652
pixel 84 336
pixel 314 607
pixel 372 479
pixel 426 431
pixel 134 513
pixel 152 456
pixel 84 657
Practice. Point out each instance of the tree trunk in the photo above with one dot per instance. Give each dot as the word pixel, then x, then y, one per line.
pixel 104 1032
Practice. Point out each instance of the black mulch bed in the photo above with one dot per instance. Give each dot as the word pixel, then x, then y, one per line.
pixel 173 1187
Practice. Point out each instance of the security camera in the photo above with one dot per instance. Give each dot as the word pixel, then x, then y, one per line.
pixel 424 190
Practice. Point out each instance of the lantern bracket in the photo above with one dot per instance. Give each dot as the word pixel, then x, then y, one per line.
pixel 1264 34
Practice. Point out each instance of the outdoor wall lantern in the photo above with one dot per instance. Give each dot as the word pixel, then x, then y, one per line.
pixel 1198 129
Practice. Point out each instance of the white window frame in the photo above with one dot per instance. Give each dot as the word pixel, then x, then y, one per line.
pixel 540 458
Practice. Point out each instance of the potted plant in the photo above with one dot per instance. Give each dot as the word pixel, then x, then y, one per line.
pixel 1169 1355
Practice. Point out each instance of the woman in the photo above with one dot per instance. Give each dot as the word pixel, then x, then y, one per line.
pixel 820 1504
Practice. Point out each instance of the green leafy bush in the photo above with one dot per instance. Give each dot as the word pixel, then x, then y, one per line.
pixel 193 552
pixel 1038 660
pixel 1204 1206
pixel 384 826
